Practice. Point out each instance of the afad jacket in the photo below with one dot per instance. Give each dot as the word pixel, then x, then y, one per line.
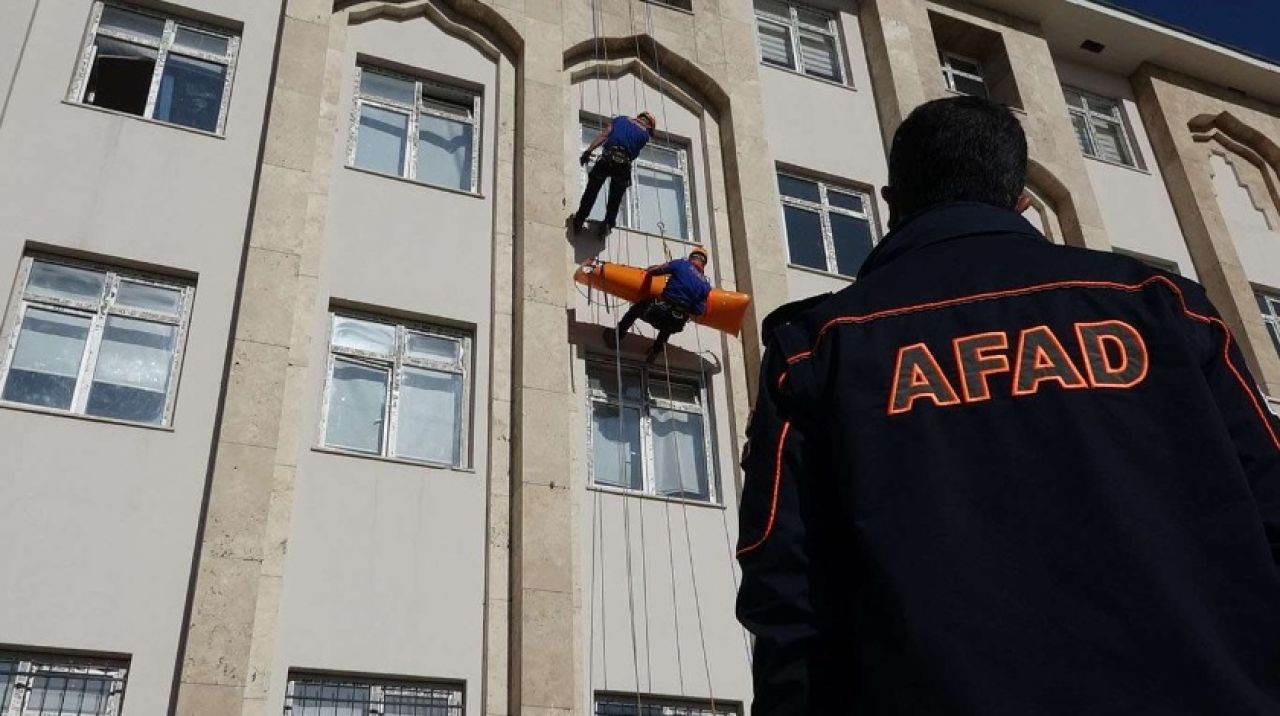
pixel 997 476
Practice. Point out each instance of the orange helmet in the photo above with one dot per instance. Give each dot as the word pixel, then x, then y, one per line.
pixel 648 118
pixel 699 252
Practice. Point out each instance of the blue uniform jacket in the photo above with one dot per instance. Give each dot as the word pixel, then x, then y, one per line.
pixel 686 286
pixel 625 132
pixel 999 477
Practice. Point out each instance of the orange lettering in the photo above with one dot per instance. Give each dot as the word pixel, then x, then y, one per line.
pixel 973 357
pixel 1129 366
pixel 1041 357
pixel 918 375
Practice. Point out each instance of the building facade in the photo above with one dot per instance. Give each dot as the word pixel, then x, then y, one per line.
pixel 302 411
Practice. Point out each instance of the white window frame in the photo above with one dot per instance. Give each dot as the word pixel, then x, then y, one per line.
pixel 423 89
pixel 631 202
pixel 89 51
pixel 1269 303
pixel 634 704
pixel 824 208
pixel 378 690
pixel 648 473
pixel 1089 112
pixel 27 667
pixel 396 364
pixel 794 29
pixel 98 312
pixel 949 73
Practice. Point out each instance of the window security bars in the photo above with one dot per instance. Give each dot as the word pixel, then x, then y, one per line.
pixel 659 201
pixel 626 705
pixel 91 340
pixel 417 129
pixel 44 685
pixel 654 439
pixel 800 39
pixel 1100 127
pixel 335 696
pixel 963 74
pixel 828 228
pixel 157 67
pixel 397 390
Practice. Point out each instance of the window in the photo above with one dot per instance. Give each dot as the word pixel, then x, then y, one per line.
pixel 800 39
pixel 46 685
pixel 156 67
pixel 341 696
pixel 658 201
pixel 963 74
pixel 1100 127
pixel 397 390
pixel 1270 306
pixel 635 705
pixel 828 228
pixel 95 341
pixel 654 440
pixel 421 130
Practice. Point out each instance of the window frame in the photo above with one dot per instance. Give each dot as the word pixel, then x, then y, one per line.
pixel 637 703
pixel 422 85
pixel 1269 304
pixel 648 473
pixel 98 315
pixel 1087 112
pixel 949 73
pixel 794 30
pixel 631 201
pixel 396 364
pixel 378 688
pixel 824 208
pixel 163 48
pixel 28 666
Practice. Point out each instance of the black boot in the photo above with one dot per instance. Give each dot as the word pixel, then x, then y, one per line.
pixel 576 225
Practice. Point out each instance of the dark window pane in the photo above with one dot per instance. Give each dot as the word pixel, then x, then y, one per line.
pixel 798 188
pixel 852 238
pixel 841 200
pixel 120 78
pixel 47 359
pixel 964 85
pixel 131 380
pixel 191 93
pixel 804 238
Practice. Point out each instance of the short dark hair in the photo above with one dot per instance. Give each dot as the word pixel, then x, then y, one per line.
pixel 958 149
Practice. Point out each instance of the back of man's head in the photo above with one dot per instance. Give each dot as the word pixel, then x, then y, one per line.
pixel 957 149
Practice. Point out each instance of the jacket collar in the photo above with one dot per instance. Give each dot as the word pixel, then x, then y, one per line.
pixel 943 223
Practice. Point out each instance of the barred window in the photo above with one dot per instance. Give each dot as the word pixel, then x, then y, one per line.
pixel 397 390
pixel 341 696
pixel 1100 127
pixel 659 201
pixel 963 74
pixel 49 685
pixel 799 38
pixel 651 437
pixel 1269 304
pixel 92 340
pixel 418 129
pixel 154 66
pixel 829 228
pixel 640 705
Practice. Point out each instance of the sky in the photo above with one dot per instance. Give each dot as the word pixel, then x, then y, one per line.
pixel 1249 25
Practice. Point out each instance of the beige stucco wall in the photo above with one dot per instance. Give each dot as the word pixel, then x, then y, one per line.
pixel 103 517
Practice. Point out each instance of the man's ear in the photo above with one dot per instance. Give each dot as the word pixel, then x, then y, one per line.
pixel 1023 203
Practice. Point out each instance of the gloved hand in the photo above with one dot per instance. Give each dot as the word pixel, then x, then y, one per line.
pixel 586 157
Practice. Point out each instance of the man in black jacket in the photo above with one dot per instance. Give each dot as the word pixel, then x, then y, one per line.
pixel 997 476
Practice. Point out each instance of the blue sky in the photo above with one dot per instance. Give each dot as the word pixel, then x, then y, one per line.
pixel 1249 25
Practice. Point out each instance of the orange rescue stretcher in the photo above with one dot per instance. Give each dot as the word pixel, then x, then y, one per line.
pixel 725 309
